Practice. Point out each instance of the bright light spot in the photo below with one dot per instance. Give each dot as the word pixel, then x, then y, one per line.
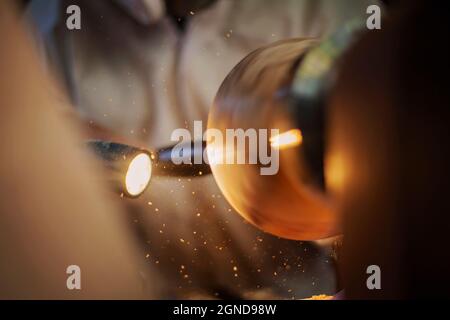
pixel 287 139
pixel 138 174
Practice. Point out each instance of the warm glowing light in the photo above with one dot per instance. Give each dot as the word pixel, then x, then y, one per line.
pixel 336 171
pixel 287 139
pixel 138 174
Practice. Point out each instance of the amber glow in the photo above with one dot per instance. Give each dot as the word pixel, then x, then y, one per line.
pixel 287 139
pixel 138 174
pixel 335 169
